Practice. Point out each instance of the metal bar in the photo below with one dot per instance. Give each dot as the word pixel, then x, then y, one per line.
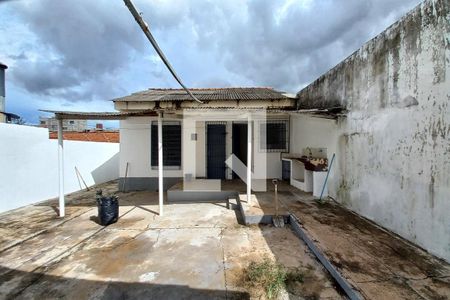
pixel 79 174
pixel 160 164
pixel 78 178
pixel 326 178
pixel 249 160
pixel 61 168
pixel 145 28
pixel 346 287
pixel 125 179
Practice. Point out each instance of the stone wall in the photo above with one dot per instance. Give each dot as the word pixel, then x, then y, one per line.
pixel 393 148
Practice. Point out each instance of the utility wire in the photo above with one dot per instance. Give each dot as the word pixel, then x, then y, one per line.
pixel 144 26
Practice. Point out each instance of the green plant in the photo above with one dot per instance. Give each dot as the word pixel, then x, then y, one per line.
pixel 267 275
pixel 294 276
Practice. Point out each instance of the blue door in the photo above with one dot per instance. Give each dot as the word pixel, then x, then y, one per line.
pixel 215 151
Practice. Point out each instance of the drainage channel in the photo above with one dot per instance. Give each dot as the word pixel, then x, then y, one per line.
pixel 295 223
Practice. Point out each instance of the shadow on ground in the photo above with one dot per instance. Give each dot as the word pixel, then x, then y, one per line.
pixel 201 251
pixel 36 285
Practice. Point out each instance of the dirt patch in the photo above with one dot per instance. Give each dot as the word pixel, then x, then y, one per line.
pixel 370 257
pixel 283 247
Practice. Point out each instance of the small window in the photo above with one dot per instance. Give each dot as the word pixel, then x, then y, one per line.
pixel 42 122
pixel 71 122
pixel 171 144
pixel 274 136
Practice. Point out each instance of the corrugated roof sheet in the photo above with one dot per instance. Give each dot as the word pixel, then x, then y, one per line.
pixel 206 94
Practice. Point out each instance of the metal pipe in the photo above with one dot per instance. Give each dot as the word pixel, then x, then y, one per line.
pixel 145 28
pixel 2 93
pixel 84 182
pixel 326 178
pixel 275 182
pixel 125 179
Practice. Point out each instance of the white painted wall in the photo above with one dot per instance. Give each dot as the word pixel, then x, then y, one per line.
pixel 29 165
pixel 135 147
pixel 307 131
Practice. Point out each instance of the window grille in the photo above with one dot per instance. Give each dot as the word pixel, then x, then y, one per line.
pixel 171 144
pixel 274 136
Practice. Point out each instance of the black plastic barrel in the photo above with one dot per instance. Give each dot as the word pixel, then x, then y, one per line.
pixel 108 209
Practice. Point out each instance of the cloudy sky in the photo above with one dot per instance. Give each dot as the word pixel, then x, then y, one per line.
pixel 79 54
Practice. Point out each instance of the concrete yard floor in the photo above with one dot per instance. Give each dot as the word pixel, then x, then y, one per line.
pixel 378 263
pixel 194 251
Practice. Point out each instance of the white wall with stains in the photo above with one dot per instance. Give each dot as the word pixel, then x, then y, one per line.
pixel 394 146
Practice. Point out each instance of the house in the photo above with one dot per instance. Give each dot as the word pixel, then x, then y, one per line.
pixel 198 138
pixel 68 125
pixel 372 133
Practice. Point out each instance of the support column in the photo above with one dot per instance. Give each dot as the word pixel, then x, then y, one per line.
pixel 160 164
pixel 249 159
pixel 61 168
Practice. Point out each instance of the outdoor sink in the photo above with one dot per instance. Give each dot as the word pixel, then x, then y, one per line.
pixel 314 163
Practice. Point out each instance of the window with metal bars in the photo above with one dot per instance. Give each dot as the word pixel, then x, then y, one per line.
pixel 171 144
pixel 274 136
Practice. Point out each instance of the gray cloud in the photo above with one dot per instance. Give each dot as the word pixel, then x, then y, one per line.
pixel 90 43
pixel 43 76
pixel 296 48
pixel 85 40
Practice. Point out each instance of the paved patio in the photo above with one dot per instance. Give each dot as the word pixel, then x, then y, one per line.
pixel 195 251
pixel 200 251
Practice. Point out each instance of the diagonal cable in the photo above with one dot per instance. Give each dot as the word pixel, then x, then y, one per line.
pixel 144 26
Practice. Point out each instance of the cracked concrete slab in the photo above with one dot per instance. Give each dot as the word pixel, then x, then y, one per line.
pixel 200 251
pixel 193 251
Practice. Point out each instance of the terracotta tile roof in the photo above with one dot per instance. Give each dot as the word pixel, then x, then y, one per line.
pixel 207 94
pixel 94 136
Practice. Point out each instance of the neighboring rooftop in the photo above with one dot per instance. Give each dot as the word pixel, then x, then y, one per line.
pixel 95 136
pixel 207 94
